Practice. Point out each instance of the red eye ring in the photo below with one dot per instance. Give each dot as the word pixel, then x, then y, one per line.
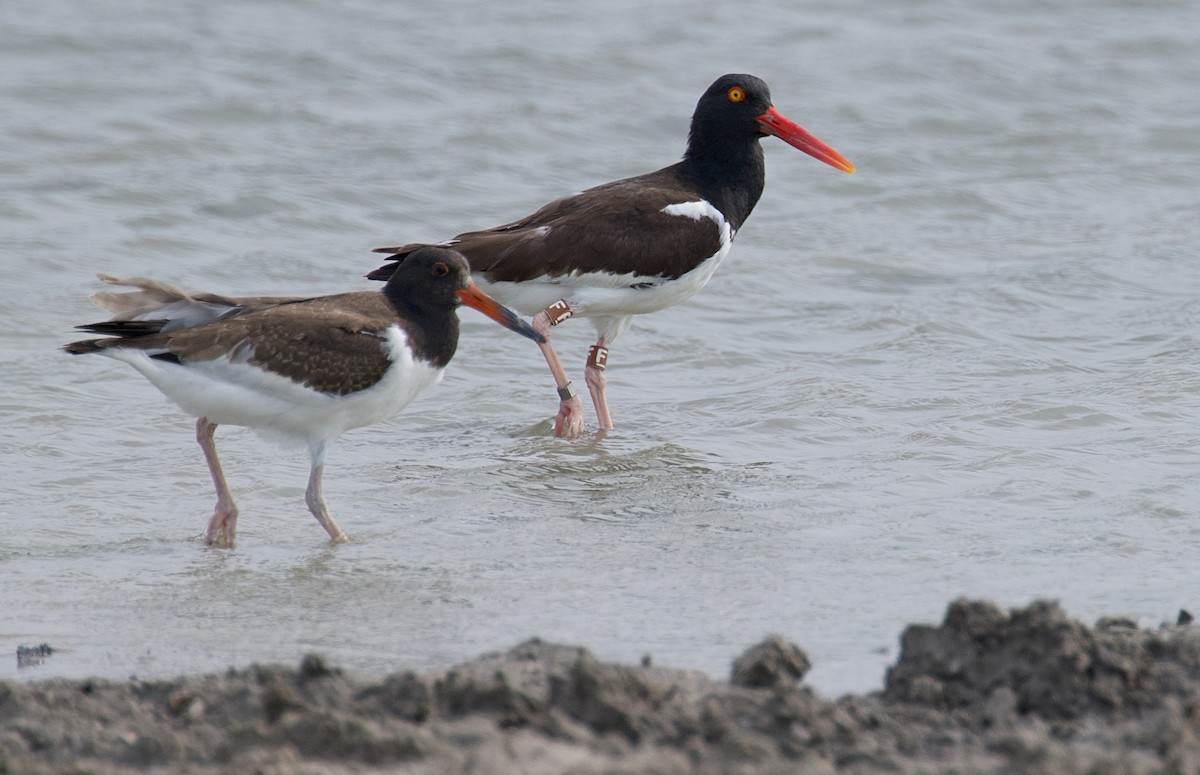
pixel 736 94
pixel 440 269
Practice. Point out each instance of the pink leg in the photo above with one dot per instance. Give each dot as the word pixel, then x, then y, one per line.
pixel 222 527
pixel 569 421
pixel 593 375
pixel 315 498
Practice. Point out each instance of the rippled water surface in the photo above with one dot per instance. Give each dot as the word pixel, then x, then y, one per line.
pixel 969 369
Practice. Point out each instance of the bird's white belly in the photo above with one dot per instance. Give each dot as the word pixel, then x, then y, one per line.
pixel 234 392
pixel 608 295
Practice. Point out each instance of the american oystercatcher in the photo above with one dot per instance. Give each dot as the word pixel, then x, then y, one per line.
pixel 635 245
pixel 299 369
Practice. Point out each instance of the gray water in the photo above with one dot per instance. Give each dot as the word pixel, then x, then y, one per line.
pixel 969 369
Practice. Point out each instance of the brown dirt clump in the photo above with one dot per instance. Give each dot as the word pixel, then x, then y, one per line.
pixel 987 691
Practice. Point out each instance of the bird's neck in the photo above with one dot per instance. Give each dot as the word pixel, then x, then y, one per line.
pixel 432 331
pixel 728 174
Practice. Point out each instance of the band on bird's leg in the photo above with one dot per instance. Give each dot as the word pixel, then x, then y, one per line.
pixel 597 360
pixel 569 420
pixel 597 357
pixel 558 312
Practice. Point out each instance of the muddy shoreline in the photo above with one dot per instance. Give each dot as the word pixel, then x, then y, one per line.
pixel 986 691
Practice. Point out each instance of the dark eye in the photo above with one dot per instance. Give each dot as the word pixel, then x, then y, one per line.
pixel 736 94
pixel 440 269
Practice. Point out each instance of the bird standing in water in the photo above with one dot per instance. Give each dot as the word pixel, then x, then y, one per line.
pixel 300 369
pixel 635 245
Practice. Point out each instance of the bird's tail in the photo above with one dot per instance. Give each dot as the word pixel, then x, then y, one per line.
pixel 155 307
pixel 163 307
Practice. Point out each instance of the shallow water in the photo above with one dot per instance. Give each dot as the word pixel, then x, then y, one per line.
pixel 968 369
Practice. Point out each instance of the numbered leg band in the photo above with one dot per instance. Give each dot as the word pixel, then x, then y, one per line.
pixel 565 393
pixel 558 312
pixel 597 357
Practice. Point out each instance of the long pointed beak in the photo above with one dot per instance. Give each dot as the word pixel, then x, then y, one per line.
pixel 477 299
pixel 775 123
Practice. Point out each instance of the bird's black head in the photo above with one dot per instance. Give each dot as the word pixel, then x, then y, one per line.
pixel 734 113
pixel 429 278
pixel 432 281
pixel 729 111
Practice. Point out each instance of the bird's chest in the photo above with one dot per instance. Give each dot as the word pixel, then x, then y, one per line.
pixel 403 380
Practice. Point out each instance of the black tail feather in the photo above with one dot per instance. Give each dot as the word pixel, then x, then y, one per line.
pixel 120 330
pixel 126 329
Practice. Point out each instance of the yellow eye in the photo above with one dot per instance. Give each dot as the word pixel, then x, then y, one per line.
pixel 440 269
pixel 736 94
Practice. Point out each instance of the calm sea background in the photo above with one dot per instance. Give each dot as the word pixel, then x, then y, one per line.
pixel 972 368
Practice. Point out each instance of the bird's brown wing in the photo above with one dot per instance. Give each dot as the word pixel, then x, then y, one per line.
pixel 619 228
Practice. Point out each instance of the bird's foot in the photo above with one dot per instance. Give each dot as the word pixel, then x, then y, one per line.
pixel 314 497
pixel 222 528
pixel 569 422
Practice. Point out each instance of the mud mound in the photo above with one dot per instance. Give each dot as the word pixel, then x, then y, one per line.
pixel 1052 666
pixel 988 691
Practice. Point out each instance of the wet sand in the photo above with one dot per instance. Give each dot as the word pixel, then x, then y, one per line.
pixel 987 691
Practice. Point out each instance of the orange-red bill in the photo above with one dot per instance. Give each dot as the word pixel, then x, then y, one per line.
pixel 775 123
pixel 477 299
